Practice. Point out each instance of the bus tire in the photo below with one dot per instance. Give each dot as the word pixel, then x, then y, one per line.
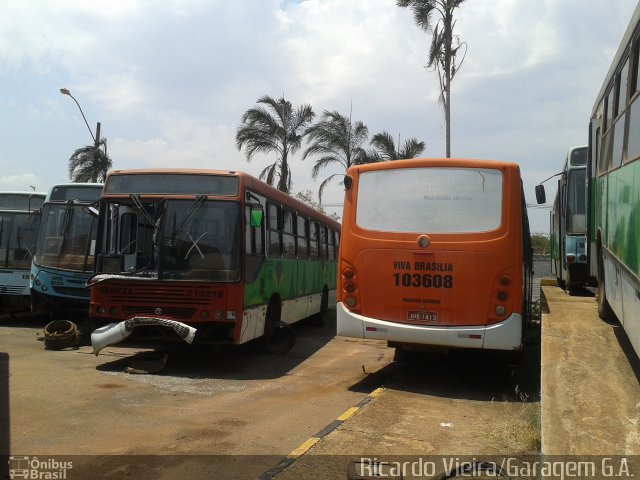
pixel 605 311
pixel 60 334
pixel 278 337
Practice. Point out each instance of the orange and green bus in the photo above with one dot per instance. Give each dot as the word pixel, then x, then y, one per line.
pixel 216 251
pixel 435 252
pixel 614 187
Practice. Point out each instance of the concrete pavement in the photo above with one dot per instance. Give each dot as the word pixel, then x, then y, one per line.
pixel 589 399
pixel 590 381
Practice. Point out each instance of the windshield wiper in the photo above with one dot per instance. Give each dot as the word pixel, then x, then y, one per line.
pixel 194 206
pixel 66 220
pixel 140 207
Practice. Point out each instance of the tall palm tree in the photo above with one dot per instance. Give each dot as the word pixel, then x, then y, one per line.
pixel 274 126
pixel 385 147
pixel 338 141
pixel 444 48
pixel 90 163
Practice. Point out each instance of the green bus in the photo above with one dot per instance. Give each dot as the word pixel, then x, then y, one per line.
pixel 614 187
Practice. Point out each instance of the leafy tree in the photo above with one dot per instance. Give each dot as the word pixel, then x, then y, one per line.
pixel 90 163
pixel 540 244
pixel 445 47
pixel 306 197
pixel 385 148
pixel 337 140
pixel 274 126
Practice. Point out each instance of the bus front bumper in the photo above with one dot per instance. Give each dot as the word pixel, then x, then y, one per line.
pixel 506 335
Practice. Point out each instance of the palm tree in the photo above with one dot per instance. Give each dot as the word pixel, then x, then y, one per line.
pixel 385 148
pixel 276 127
pixel 444 48
pixel 90 163
pixel 338 141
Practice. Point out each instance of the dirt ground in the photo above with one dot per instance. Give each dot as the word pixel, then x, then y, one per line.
pixel 235 413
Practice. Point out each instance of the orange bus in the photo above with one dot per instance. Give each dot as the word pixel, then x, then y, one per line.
pixel 435 252
pixel 217 252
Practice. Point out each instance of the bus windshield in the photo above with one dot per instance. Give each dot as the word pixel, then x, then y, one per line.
pixel 17 238
pixel 20 201
pixel 66 239
pixel 201 241
pixel 433 200
pixel 190 239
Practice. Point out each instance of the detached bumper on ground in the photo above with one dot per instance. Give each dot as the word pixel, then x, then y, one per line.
pixel 117 332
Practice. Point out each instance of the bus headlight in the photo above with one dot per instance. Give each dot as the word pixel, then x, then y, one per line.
pixel 101 310
pixel 500 310
pixel 351 302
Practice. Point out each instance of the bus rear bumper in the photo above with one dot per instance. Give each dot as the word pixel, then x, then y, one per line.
pixel 506 335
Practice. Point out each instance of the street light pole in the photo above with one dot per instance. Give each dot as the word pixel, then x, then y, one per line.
pixel 96 138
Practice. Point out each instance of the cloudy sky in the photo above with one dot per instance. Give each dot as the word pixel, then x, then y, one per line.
pixel 170 80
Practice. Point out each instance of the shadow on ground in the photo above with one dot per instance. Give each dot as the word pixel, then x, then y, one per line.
pixel 243 362
pixel 466 374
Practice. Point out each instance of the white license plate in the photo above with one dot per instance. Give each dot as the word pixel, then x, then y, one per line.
pixel 419 316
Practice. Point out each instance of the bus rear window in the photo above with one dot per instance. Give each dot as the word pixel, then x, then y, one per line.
pixel 430 200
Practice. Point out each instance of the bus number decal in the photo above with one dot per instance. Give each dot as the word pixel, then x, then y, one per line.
pixel 424 280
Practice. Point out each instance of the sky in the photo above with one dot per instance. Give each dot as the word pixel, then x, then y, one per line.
pixel 169 81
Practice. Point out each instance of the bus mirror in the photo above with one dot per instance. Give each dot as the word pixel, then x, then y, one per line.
pixel 256 216
pixel 541 197
pixel 348 181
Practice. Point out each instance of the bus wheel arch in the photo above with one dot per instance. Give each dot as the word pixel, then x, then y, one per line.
pixel 279 337
pixel 604 309
pixel 319 318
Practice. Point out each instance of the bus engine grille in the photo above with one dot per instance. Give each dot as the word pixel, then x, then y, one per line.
pixel 172 312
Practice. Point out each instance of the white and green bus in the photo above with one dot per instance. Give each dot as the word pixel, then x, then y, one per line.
pixel 614 187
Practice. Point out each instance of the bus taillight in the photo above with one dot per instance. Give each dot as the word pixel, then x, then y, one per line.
pixel 350 288
pixel 500 306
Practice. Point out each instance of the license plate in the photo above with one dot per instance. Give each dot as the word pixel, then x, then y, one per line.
pixel 419 316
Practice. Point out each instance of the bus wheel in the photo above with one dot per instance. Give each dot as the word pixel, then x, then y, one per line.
pixel 604 309
pixel 318 318
pixel 280 338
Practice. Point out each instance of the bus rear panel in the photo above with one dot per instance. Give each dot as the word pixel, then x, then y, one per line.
pixel 432 254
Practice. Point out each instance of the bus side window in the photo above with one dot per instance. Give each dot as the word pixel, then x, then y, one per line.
pixel 274 222
pixel 288 234
pixel 323 242
pixel 633 145
pixel 302 237
pixel 254 247
pixel 128 231
pixel 313 240
pixel 607 139
pixel 253 236
pixel 332 246
pixel 622 87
